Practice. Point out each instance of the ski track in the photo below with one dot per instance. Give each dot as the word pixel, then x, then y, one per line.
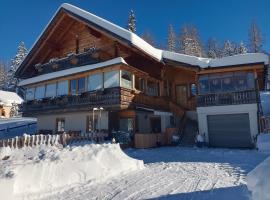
pixel 174 173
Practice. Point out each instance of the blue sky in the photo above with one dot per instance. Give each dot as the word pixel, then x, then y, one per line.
pixel 23 20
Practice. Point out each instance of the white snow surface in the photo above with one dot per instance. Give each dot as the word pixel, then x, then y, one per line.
pixel 70 71
pixel 7 98
pixel 258 181
pixel 172 173
pixel 39 171
pixel 263 142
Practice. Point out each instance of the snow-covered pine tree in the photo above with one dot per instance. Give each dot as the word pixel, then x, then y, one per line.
pixel 15 62
pixel 131 22
pixel 255 38
pixel 189 41
pixel 242 48
pixel 213 49
pixel 171 40
pixel 229 49
pixel 147 36
pixel 3 75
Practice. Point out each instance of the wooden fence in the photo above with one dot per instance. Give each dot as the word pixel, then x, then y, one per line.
pixel 52 140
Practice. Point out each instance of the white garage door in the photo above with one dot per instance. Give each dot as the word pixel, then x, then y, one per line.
pixel 230 130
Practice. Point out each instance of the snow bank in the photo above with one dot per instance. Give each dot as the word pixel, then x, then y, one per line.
pixel 263 142
pixel 258 181
pixel 42 170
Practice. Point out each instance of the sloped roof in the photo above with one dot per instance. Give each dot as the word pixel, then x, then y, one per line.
pixel 7 98
pixel 156 53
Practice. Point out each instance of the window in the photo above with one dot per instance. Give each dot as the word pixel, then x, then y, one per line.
pixel 126 79
pixel 40 92
pixel 250 80
pixel 73 86
pixel 152 88
pixel 215 83
pixel 111 79
pixel 193 89
pixel 29 95
pixel 203 84
pixel 60 124
pixel 81 85
pixel 95 82
pixel 139 83
pixel 77 86
pixel 240 81
pixel 62 88
pixel 227 81
pixel 50 90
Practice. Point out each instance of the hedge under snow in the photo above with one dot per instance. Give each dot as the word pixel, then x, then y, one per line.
pixel 43 169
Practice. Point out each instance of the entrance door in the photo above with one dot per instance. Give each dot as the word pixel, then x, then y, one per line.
pixel 181 94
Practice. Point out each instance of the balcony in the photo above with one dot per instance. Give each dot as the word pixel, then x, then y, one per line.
pixel 106 98
pixel 228 98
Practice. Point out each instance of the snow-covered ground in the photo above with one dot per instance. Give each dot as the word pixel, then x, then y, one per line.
pixel 175 173
pixel 38 171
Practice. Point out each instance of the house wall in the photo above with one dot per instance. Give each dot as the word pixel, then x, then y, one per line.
pixel 251 109
pixel 73 121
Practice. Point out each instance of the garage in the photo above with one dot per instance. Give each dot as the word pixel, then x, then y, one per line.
pixel 229 130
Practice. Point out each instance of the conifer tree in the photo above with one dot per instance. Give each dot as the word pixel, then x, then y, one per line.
pixel 171 40
pixel 242 48
pixel 131 22
pixel 255 38
pixel 15 62
pixel 212 49
pixel 229 49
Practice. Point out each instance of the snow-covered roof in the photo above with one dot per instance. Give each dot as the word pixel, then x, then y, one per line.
pixel 70 71
pixel 239 59
pixel 7 98
pixel 158 54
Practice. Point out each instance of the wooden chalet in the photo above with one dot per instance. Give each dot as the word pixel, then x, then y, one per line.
pixel 85 74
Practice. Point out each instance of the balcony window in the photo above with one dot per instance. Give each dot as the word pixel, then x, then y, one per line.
pixel 139 83
pixel 73 86
pixel 126 79
pixel 50 90
pixel 95 82
pixel 111 79
pixel 40 92
pixel 30 94
pixel 250 80
pixel 62 88
pixel 81 85
pixel 204 84
pixel 240 81
pixel 152 88
pixel 227 82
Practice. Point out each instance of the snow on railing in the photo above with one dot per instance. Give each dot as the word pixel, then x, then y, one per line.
pixel 52 140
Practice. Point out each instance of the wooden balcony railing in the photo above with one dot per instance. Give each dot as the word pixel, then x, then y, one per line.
pixel 265 124
pixel 229 98
pixel 108 97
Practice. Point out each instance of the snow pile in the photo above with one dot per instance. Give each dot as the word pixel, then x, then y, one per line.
pixel 263 142
pixel 258 181
pixel 42 170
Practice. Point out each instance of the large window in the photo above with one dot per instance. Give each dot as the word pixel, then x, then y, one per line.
pixel 226 82
pixel 95 82
pixel 77 86
pixel 50 90
pixel 111 79
pixel 152 88
pixel 30 93
pixel 126 79
pixel 62 88
pixel 40 92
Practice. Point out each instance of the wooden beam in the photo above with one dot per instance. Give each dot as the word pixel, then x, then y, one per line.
pixel 230 69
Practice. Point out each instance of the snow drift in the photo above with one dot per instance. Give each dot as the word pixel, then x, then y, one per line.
pixel 41 170
pixel 263 142
pixel 258 181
